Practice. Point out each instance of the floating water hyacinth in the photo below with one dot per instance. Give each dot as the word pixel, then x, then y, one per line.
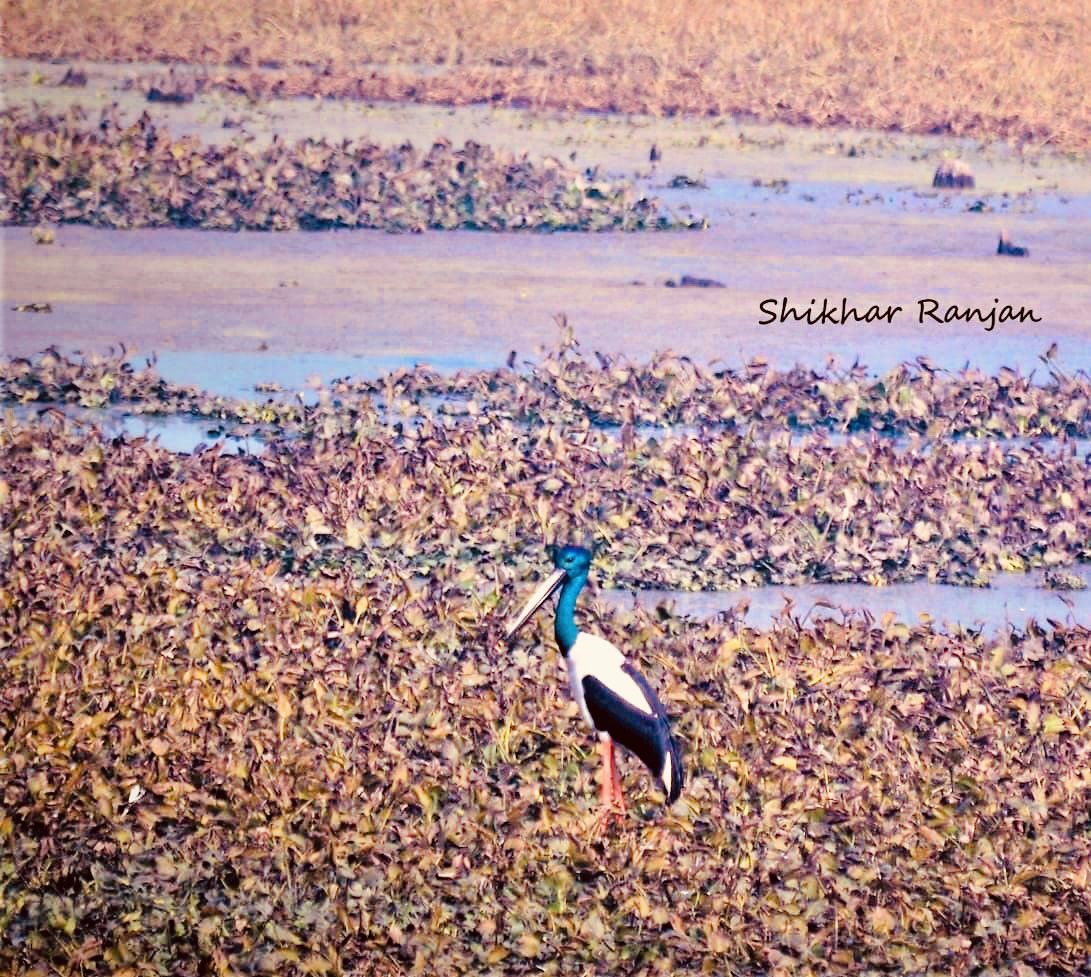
pixel 610 390
pixel 693 509
pixel 55 168
pixel 230 749
pixel 564 386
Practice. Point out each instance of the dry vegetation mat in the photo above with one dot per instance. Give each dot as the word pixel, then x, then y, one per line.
pixel 977 68
pixel 610 390
pixel 221 756
pixel 707 510
pixel 563 386
pixel 58 168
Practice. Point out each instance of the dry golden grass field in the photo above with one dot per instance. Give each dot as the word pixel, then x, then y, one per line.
pixel 1017 71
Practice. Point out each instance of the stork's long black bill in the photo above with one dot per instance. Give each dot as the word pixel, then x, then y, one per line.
pixel 537 599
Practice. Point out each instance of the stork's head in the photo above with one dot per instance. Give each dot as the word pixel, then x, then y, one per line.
pixel 572 563
pixel 575 561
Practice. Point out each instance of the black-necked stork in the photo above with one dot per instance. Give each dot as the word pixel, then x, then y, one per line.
pixel 612 695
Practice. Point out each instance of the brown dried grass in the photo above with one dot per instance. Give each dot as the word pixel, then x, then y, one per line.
pixel 1006 70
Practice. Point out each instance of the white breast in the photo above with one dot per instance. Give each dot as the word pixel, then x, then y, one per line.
pixel 592 655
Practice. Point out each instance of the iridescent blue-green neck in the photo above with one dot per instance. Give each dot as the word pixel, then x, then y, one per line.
pixel 564 626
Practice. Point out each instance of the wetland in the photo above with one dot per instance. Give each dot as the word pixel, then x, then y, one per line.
pixel 317 332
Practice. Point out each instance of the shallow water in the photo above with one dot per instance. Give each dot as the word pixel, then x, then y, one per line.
pixel 226 311
pixel 462 298
pixel 723 197
pixel 858 218
pixel 180 433
pixel 235 374
pixel 1078 447
pixel 1011 600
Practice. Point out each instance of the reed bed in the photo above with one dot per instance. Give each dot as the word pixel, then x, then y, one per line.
pixel 992 70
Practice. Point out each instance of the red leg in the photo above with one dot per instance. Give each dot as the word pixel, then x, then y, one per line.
pixel 611 799
pixel 615 777
pixel 606 789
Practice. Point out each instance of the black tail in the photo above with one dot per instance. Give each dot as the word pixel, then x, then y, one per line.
pixel 675 777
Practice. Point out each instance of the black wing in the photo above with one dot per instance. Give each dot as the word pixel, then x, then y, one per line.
pixel 646 735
